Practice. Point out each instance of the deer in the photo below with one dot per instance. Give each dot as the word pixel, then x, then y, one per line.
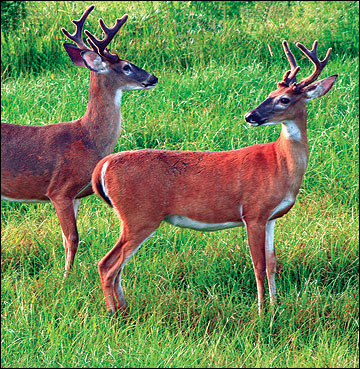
pixel 208 191
pixel 53 163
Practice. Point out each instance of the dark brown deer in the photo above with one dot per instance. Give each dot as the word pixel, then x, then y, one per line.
pixel 54 163
pixel 208 191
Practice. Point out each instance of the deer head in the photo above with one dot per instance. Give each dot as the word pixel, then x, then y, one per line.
pixel 290 97
pixel 100 60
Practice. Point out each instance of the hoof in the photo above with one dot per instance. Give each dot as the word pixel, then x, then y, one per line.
pixel 66 274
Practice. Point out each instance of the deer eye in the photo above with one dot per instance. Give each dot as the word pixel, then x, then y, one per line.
pixel 126 68
pixel 284 100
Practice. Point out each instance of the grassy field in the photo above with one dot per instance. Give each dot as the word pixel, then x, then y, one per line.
pixel 191 295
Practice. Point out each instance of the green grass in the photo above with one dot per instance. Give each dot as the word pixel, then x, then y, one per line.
pixel 191 295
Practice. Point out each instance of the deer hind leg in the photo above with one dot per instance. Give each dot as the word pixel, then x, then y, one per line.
pixel 256 239
pixel 66 210
pixel 112 265
pixel 270 260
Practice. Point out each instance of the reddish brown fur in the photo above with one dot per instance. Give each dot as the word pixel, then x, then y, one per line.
pixel 54 163
pixel 253 185
pixel 146 186
pixel 188 183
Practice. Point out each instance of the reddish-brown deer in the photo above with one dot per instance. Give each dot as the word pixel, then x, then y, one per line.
pixel 208 191
pixel 54 163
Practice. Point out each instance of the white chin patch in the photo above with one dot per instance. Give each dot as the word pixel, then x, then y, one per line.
pixel 133 88
pixel 270 123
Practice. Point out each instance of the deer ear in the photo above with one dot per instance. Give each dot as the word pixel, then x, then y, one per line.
pixel 319 88
pixel 75 54
pixel 95 62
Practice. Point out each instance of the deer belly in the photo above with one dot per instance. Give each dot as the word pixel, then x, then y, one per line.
pixel 3 197
pixel 23 191
pixel 185 222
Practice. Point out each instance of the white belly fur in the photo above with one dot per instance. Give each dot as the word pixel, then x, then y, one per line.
pixel 184 222
pixel 3 197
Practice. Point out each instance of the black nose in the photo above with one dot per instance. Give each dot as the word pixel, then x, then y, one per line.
pixel 152 81
pixel 253 117
pixel 248 117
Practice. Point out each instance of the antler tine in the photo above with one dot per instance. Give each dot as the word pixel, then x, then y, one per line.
pixel 290 75
pixel 319 64
pixel 289 55
pixel 100 45
pixel 77 36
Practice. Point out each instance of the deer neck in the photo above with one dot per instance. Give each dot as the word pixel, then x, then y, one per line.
pixel 292 146
pixel 102 118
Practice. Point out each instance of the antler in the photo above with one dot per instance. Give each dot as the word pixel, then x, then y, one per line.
pixel 289 76
pixel 319 65
pixel 99 46
pixel 76 37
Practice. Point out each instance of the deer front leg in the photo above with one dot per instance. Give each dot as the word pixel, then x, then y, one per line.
pixel 256 239
pixel 270 260
pixel 66 210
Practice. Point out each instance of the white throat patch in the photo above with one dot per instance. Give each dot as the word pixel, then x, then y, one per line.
pixel 290 130
pixel 117 102
pixel 117 99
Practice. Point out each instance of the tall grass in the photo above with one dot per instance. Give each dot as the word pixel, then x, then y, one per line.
pixel 180 35
pixel 191 295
